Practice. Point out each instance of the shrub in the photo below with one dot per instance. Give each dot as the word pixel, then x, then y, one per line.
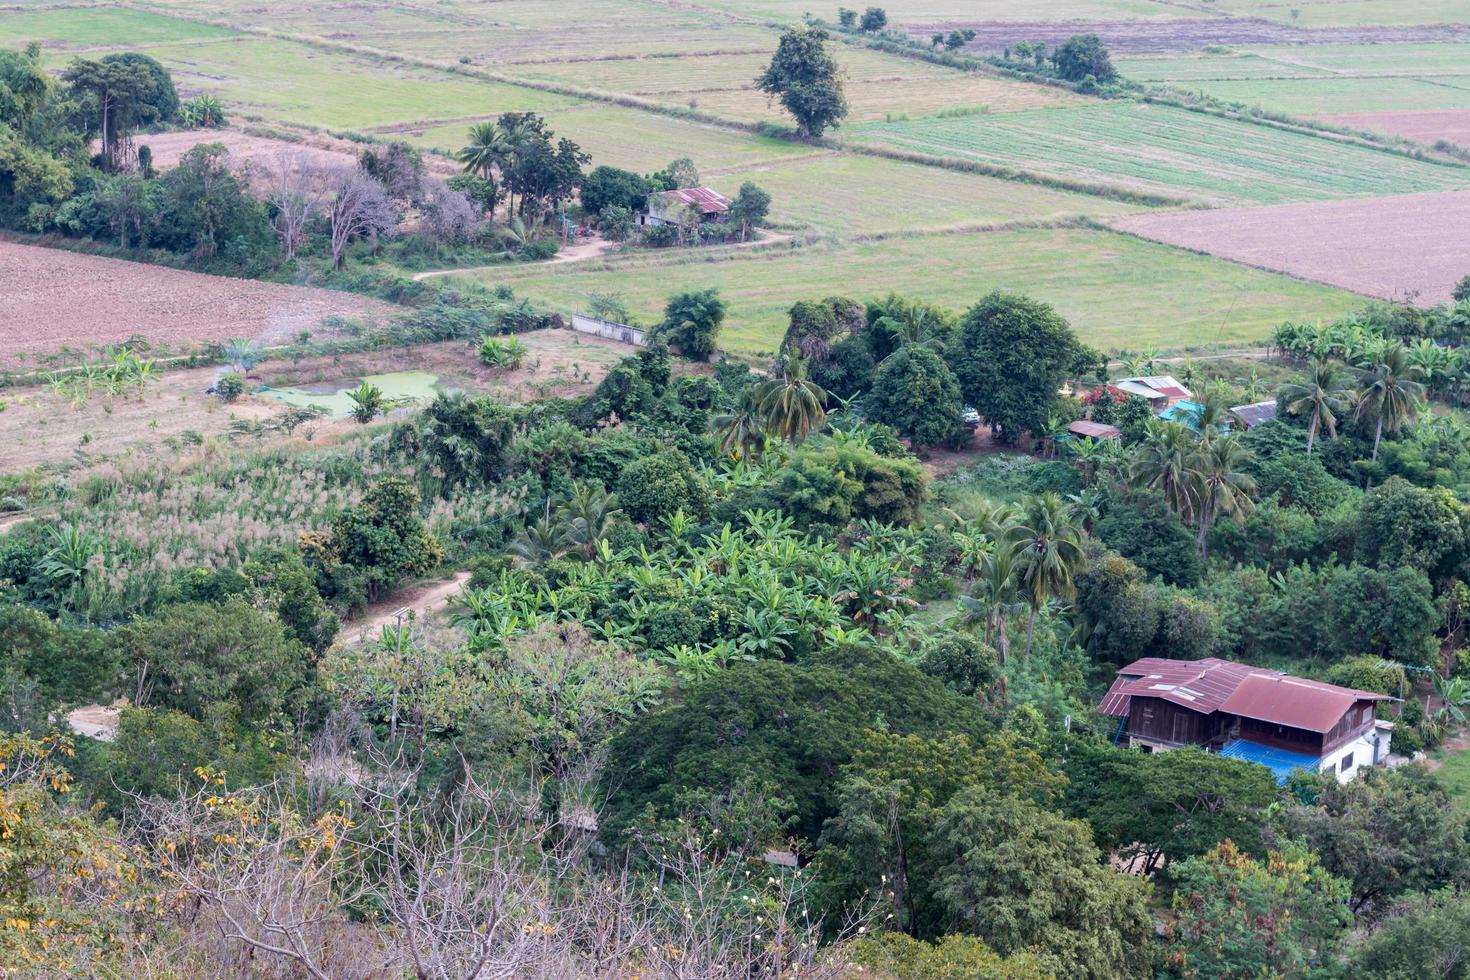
pixel 652 489
pixel 230 386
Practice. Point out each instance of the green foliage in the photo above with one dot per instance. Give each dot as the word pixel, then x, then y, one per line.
pixel 1387 833
pixel 807 79
pixel 1082 55
pixel 383 537
pixel 750 208
pixel 1021 877
pixel 654 488
pixel 368 402
pixel 781 727
pixel 814 326
pixel 1424 937
pixel 195 655
pixel 45 667
pixel 692 322
pixel 962 662
pixel 1403 525
pixel 830 485
pixel 916 393
pixel 1010 356
pixel 230 386
pixel 1365 673
pixel 1235 916
pixel 496 353
pixel 1141 528
pixel 895 956
pixel 466 440
pixel 608 187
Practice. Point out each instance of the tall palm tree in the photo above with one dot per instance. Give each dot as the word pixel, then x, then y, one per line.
pixel 1223 486
pixel 792 405
pixel 487 150
pixel 541 540
pixel 1048 548
pixel 1322 394
pixel 997 596
pixel 1162 462
pixel 743 431
pixel 1391 392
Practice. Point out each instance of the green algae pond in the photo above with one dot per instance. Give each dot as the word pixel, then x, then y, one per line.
pixel 398 386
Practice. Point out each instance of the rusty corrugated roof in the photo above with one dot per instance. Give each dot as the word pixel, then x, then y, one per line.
pixel 1293 701
pixel 1213 684
pixel 1256 413
pixel 708 201
pixel 1094 430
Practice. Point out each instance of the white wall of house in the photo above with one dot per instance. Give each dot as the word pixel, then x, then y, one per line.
pixel 1346 760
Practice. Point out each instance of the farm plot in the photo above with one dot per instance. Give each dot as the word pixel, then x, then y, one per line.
pixel 1240 66
pixel 1336 13
pixel 847 194
pixel 1403 248
pixel 288 82
pixel 1170 151
pixel 1426 127
pixel 1164 36
pixel 78 29
pixel 56 301
pixel 905 12
pixel 901 98
pixel 1339 94
pixel 1108 285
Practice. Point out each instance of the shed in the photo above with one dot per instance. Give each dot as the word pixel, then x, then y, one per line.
pixel 1094 430
pixel 1255 413
pixel 675 207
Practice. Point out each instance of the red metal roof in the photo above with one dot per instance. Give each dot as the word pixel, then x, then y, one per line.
pixel 1094 430
pixel 1294 701
pixel 1213 684
pixel 708 201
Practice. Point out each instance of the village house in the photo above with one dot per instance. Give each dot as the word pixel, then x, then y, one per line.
pixel 1161 391
pixel 1282 722
pixel 1255 413
pixel 678 207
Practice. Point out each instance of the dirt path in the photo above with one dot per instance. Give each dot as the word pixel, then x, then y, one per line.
pixel 424 600
pixel 8 521
pixel 97 721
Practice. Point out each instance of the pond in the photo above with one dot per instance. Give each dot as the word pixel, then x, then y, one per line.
pixel 332 395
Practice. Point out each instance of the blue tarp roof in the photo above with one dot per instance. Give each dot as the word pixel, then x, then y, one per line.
pixel 1279 761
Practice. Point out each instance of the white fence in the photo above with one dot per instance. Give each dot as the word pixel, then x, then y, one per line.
pixel 606 328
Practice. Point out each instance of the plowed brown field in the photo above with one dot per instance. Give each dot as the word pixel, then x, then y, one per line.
pixel 1426 126
pixel 51 299
pixel 1409 247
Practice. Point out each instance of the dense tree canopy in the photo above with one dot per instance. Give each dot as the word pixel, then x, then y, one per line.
pixel 807 79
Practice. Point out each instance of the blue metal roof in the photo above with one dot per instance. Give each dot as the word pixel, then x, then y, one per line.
pixel 1279 761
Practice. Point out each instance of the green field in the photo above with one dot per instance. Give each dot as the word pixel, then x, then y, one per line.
pixel 98 27
pixel 1321 96
pixel 284 81
pixel 1346 13
pixel 1169 150
pixel 847 194
pixel 1119 292
pixel 1180 69
pixel 1454 773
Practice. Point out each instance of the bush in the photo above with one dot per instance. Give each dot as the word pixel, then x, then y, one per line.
pixel 230 386
pixel 654 488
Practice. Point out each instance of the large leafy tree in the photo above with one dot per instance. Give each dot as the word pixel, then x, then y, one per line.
pixel 807 79
pixel 1021 877
pixel 1323 395
pixel 915 392
pixel 780 727
pixel 1236 916
pixel 1424 938
pixel 119 95
pixel 692 321
pixel 1010 356
pixel 1426 528
pixel 1082 55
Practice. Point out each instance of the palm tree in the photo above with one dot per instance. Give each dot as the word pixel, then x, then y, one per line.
pixel 487 150
pixel 1391 392
pixel 1322 394
pixel 587 517
pixel 1162 462
pixel 792 405
pixel 997 596
pixel 1223 486
pixel 1048 547
pixel 541 540
pixel 743 431
pixel 1088 453
pixel 367 402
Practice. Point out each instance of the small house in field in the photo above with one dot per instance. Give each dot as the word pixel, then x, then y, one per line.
pixel 1284 723
pixel 678 207
pixel 1255 413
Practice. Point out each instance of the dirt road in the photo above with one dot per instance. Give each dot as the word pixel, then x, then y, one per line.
pixel 424 600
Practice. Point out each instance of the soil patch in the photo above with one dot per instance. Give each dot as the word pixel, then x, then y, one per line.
pixel 52 300
pixel 1407 247
pixel 1165 36
pixel 1426 126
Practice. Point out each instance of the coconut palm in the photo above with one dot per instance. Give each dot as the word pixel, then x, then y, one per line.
pixel 1223 487
pixel 1323 394
pixel 541 540
pixel 588 517
pixel 996 596
pixel 791 404
pixel 1162 462
pixel 488 150
pixel 743 431
pixel 1048 548
pixel 1391 392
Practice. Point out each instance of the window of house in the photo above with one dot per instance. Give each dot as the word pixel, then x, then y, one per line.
pixel 1347 762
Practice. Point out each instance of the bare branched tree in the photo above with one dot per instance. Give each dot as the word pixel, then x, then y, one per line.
pixel 294 194
pixel 360 208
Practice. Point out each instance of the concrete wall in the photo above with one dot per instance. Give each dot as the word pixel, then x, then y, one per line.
pixel 612 331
